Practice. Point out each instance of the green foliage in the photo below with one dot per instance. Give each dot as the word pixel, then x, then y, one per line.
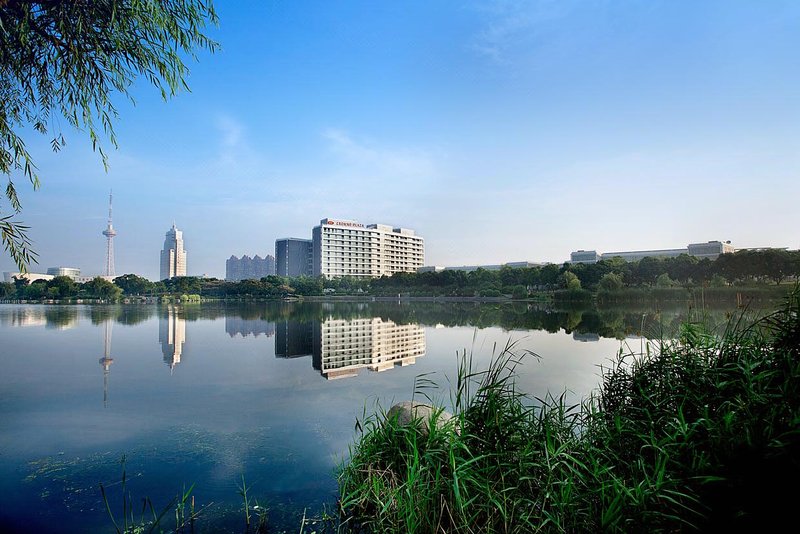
pixel 131 284
pixel 700 433
pixel 102 289
pixel 663 280
pixel 7 290
pixel 66 59
pixel 570 281
pixel 610 282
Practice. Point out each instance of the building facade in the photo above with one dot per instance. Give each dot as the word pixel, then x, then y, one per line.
pixel 247 268
pixel 349 248
pixel 293 257
pixel 710 250
pixel 173 255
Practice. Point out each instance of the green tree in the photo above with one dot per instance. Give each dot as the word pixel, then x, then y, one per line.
pixel 102 289
pixel 610 282
pixel 132 284
pixel 67 59
pixel 570 281
pixel 62 286
pixel 7 290
pixel 36 290
pixel 663 280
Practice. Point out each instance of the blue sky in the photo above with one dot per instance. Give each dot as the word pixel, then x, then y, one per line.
pixel 499 130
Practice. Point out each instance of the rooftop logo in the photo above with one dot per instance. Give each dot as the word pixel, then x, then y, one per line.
pixel 350 224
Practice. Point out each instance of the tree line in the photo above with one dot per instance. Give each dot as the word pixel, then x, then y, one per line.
pixel 743 268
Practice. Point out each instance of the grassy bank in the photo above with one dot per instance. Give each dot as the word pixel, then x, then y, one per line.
pixel 700 432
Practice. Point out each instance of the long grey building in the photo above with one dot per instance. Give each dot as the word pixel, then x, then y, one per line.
pixel 247 268
pixel 293 257
pixel 710 250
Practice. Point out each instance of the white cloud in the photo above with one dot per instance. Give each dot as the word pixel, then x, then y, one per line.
pixel 515 24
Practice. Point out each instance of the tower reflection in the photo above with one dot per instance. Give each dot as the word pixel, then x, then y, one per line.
pixel 106 360
pixel 171 335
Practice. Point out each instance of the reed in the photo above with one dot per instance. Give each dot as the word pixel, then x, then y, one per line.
pixel 695 433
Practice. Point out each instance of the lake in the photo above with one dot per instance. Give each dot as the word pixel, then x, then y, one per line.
pixel 206 394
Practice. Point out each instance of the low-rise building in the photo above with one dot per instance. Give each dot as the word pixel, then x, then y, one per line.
pixel 710 250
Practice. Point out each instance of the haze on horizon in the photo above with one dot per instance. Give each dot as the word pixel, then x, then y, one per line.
pixel 498 130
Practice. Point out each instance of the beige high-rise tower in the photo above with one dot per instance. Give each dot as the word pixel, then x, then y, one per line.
pixel 173 256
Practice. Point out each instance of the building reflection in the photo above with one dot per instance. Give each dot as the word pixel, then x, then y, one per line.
pixel 586 337
pixel 245 327
pixel 342 347
pixel 294 339
pixel 171 335
pixel 106 360
pixel 56 317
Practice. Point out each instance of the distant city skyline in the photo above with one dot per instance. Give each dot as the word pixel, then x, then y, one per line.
pixel 500 131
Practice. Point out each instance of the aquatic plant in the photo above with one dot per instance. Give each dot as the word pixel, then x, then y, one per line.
pixel 691 433
pixel 149 519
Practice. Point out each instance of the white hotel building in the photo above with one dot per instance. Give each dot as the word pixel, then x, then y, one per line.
pixel 349 248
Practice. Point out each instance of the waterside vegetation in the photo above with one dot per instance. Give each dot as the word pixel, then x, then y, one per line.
pixel 743 275
pixel 695 433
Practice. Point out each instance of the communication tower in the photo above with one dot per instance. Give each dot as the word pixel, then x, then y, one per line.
pixel 109 232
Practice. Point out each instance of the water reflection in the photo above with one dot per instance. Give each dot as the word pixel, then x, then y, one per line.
pixel 585 337
pixel 172 335
pixel 244 327
pixel 342 348
pixel 106 360
pixel 290 322
pixel 266 417
pixel 56 317
pixel 294 339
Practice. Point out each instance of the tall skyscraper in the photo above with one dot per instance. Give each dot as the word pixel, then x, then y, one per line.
pixel 109 232
pixel 173 256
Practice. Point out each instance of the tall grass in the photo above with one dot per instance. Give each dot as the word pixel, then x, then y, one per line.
pixel 697 433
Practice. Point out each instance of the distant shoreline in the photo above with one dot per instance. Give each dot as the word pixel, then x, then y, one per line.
pixel 738 295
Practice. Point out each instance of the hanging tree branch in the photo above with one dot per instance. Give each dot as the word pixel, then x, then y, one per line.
pixel 67 58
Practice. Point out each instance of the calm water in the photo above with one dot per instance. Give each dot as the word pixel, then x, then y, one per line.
pixel 203 394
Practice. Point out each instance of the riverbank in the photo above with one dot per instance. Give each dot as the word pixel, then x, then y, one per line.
pixel 697 433
pixel 694 296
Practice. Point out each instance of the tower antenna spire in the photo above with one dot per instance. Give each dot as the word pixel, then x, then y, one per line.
pixel 109 232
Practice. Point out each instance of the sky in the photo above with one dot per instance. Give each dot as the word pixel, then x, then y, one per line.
pixel 499 130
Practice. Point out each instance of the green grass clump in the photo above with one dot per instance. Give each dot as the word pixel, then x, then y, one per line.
pixel 697 433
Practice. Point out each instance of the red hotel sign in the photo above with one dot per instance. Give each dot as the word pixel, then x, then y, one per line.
pixel 351 224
